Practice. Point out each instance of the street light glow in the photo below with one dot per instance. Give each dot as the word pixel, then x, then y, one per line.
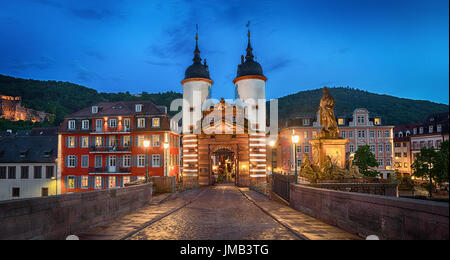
pixel 146 143
pixel 295 139
pixel 166 145
pixel 272 143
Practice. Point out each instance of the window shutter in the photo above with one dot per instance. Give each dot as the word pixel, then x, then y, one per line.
pixel 67 141
pixel 120 181
pixel 150 162
pixel 80 180
pixel 81 141
pixel 74 141
pixel 136 143
pixel 107 141
pixel 103 141
pixel 134 160
pixel 107 182
pixel 75 180
pixel 76 161
pixel 66 181
pixel 66 161
pixel 91 182
pixel 119 158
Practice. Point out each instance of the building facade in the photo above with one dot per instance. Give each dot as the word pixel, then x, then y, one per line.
pixel 104 146
pixel 11 108
pixel 411 138
pixel 28 167
pixel 360 128
pixel 224 140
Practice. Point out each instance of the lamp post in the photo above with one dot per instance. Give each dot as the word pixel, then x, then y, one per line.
pixel 166 166
pixel 146 145
pixel 295 140
pixel 272 144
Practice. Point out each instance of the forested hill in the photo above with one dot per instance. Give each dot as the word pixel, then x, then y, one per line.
pixel 63 98
pixel 393 110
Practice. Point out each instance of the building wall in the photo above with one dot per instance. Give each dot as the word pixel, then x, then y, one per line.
pixel 402 158
pixel 29 187
pixel 168 164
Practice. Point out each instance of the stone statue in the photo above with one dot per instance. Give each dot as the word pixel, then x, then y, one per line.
pixel 327 119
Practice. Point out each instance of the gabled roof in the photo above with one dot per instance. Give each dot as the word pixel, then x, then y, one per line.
pixel 34 149
pixel 118 108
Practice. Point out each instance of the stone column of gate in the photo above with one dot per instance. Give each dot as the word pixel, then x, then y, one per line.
pixel 257 151
pixel 190 160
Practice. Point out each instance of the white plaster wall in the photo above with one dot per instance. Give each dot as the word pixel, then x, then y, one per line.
pixel 28 187
pixel 194 92
pixel 250 92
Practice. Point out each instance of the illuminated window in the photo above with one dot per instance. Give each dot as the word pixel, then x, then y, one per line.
pixel 98 141
pixel 71 141
pixel 84 182
pixel 112 140
pixel 71 182
pixel 141 161
pixel 155 122
pixel 85 141
pixel 156 140
pixel 377 121
pixel 341 121
pixel 127 124
pixel 98 182
pixel 112 182
pixel 126 141
pixel 126 179
pixel 140 140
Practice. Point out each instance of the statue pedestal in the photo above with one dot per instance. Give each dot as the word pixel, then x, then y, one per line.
pixel 335 148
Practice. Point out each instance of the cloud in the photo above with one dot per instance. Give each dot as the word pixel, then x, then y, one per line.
pixel 84 74
pixel 95 54
pixel 42 63
pixel 277 64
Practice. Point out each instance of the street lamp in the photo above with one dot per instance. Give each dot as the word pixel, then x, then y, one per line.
pixel 146 145
pixel 295 141
pixel 272 144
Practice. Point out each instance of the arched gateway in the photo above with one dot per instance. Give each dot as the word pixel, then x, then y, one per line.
pixel 224 141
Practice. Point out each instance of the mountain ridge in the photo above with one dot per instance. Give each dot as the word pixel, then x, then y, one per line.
pixel 62 98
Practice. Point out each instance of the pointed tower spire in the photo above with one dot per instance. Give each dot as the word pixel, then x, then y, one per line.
pixel 196 51
pixel 249 55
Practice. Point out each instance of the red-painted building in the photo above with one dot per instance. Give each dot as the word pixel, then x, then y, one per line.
pixel 103 146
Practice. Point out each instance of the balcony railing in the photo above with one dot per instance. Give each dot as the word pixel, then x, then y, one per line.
pixel 107 170
pixel 110 149
pixel 111 129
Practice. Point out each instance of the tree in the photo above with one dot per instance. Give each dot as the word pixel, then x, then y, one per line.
pixel 365 159
pixel 441 163
pixel 423 166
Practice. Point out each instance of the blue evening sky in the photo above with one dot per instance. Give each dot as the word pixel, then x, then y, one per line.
pixel 398 47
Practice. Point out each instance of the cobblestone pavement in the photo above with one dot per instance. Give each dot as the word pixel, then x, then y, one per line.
pixel 222 213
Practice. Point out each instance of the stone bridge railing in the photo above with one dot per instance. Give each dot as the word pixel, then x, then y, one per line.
pixel 56 217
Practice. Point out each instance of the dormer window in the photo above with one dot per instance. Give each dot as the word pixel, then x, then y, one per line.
pixel 377 121
pixel 139 108
pixel 305 121
pixel 360 120
pixel 85 124
pixel 341 121
pixel 421 130
pixel 415 131
pixel 94 109
pixel 438 128
pixel 141 122
pixel 156 122
pixel 430 129
pixel 23 154
pixel 71 124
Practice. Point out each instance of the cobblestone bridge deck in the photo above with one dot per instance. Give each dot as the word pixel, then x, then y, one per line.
pixel 222 212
